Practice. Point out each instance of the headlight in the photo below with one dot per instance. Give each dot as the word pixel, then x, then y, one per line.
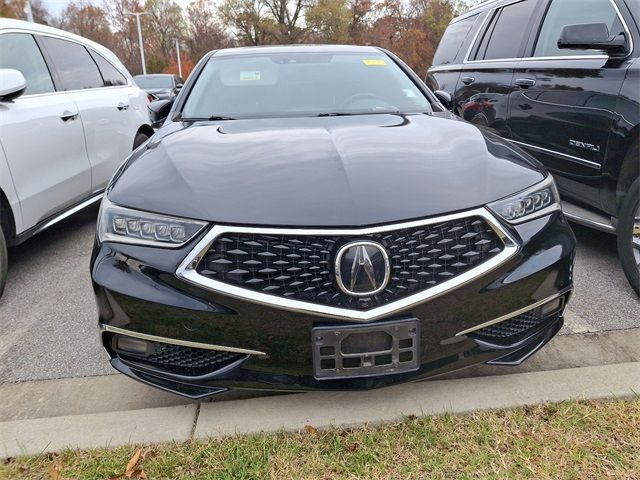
pixel 536 201
pixel 124 225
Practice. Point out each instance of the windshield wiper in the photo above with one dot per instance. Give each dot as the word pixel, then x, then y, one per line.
pixel 377 110
pixel 335 114
pixel 219 117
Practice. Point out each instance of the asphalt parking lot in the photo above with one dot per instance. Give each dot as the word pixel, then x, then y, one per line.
pixel 48 317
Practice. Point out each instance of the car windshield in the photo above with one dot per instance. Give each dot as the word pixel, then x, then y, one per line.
pixel 302 84
pixel 153 81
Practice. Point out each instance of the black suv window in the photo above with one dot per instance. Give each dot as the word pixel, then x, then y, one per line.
pixel 110 74
pixel 505 33
pixel 19 51
pixel 573 12
pixel 73 63
pixel 452 40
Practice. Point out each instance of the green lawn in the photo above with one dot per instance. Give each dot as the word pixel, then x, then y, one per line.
pixel 573 440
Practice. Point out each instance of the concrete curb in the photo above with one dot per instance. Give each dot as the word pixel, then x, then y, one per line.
pixel 38 435
pixel 425 398
pixel 293 412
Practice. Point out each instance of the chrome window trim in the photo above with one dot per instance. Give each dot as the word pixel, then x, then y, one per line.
pixel 492 60
pixel 126 75
pixel 173 341
pixel 187 269
pixel 582 161
pixel 532 58
pixel 565 57
pixel 509 316
pixel 489 14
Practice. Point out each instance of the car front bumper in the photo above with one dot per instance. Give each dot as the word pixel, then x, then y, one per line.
pixel 260 346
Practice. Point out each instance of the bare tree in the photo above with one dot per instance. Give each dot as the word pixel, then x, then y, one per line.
pixel 166 23
pixel 125 32
pixel 204 31
pixel 87 20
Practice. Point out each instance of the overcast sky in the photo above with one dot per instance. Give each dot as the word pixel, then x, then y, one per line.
pixel 56 6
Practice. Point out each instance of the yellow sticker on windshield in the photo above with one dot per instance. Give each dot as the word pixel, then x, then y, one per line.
pixel 374 62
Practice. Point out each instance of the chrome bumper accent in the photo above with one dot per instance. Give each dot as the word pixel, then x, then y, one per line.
pixel 515 313
pixel 187 269
pixel 173 341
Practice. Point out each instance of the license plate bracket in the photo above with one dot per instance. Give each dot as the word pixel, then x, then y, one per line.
pixel 351 351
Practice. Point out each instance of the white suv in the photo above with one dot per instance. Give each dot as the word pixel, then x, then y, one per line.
pixel 70 113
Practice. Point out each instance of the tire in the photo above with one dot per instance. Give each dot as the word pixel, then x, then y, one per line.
pixel 628 231
pixel 140 139
pixel 3 262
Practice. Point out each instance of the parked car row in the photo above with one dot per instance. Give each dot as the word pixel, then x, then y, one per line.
pixel 69 114
pixel 161 86
pixel 560 79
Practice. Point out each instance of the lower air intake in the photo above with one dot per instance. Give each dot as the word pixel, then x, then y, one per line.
pixel 180 360
pixel 516 326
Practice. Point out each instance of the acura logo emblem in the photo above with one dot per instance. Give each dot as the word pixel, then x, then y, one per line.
pixel 362 268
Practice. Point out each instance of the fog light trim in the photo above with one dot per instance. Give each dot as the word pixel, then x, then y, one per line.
pixel 562 295
pixel 131 345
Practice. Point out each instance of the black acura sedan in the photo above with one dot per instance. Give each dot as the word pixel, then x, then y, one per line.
pixel 312 218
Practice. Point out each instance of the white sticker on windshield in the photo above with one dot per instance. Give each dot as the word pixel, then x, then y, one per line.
pixel 409 93
pixel 250 76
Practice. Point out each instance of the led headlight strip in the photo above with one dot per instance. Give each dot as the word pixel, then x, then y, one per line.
pixel 536 201
pixel 125 225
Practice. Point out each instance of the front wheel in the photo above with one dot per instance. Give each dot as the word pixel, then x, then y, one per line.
pixel 629 235
pixel 3 262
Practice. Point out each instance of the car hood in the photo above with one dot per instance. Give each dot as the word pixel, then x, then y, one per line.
pixel 330 171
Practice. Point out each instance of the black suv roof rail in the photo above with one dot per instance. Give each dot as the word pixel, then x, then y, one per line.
pixel 480 6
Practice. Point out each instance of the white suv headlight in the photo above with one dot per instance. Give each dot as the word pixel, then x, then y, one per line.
pixel 124 225
pixel 536 201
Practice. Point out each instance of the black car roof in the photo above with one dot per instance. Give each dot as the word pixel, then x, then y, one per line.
pixel 486 5
pixel 155 75
pixel 267 49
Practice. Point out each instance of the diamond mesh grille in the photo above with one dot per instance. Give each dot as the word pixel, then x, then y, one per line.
pixel 184 360
pixel 301 266
pixel 514 326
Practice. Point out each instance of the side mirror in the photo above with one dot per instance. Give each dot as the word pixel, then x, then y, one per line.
pixel 445 99
pixel 179 86
pixel 159 111
pixel 592 36
pixel 12 84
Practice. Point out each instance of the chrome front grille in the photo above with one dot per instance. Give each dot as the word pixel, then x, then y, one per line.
pixel 300 265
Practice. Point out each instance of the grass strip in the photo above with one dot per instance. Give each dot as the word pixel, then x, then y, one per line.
pixel 571 440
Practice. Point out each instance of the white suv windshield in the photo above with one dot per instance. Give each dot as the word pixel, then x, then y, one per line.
pixel 302 84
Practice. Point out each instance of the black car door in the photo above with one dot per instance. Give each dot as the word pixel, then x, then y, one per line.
pixel 563 102
pixel 482 92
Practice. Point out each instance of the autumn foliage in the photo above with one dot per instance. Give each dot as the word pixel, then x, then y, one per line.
pixel 411 29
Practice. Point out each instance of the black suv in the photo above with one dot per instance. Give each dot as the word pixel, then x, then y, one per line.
pixel 559 78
